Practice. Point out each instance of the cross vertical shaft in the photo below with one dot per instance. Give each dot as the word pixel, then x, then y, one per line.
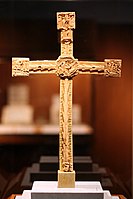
pixel 66 160
pixel 66 43
pixel 66 175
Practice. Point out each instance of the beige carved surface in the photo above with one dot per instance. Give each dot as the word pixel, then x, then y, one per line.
pixel 88 67
pixel 66 67
pixel 20 66
pixel 65 20
pixel 44 66
pixel 66 163
pixel 24 67
pixel 112 68
pixel 109 68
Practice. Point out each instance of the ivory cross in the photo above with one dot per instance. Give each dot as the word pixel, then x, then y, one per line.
pixel 66 67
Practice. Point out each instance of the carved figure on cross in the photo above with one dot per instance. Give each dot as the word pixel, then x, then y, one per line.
pixel 66 67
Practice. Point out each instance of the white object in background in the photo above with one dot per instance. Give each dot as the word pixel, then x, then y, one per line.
pixel 18 94
pixel 54 109
pixel 17 114
pixel 76 114
pixel 17 110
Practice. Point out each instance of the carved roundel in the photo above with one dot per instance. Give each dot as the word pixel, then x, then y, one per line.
pixel 67 67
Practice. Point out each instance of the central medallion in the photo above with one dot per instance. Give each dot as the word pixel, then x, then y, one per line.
pixel 67 67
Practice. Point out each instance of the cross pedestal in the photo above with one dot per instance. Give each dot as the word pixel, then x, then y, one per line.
pixel 66 67
pixel 49 190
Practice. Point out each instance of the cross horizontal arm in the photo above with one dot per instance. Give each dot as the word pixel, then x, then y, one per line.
pixel 88 67
pixel 44 66
pixel 110 67
pixel 24 67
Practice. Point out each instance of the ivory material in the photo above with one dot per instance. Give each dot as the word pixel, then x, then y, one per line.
pixel 66 179
pixel 66 67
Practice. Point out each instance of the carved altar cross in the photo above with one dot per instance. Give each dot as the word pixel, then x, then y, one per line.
pixel 66 67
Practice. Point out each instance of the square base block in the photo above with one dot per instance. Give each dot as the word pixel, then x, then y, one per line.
pixel 66 179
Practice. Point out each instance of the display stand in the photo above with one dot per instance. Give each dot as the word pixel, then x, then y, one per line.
pixel 50 190
pixel 86 170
